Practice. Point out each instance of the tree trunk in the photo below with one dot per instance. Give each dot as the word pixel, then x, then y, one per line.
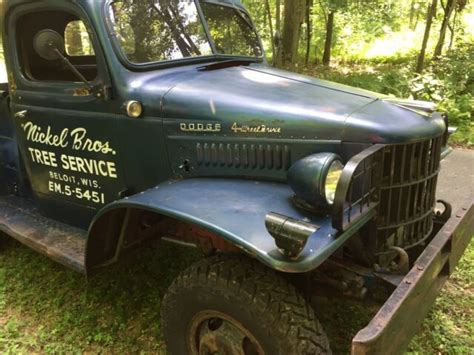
pixel 412 14
pixel 277 57
pixel 417 18
pixel 291 31
pixel 74 39
pixel 139 17
pixel 309 31
pixel 329 35
pixel 278 16
pixel 448 11
pixel 270 24
pixel 429 21
pixel 453 30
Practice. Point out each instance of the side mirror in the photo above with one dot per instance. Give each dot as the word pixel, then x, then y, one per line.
pixel 49 45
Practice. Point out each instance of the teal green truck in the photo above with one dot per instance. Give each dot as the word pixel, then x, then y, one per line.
pixel 126 122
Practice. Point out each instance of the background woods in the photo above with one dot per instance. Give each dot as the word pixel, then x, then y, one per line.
pixel 421 49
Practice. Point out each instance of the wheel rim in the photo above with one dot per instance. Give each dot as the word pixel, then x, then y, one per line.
pixel 215 333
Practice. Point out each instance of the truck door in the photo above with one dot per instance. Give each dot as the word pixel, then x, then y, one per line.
pixel 65 127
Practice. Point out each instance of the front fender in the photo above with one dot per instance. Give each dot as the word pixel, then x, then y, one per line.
pixel 235 210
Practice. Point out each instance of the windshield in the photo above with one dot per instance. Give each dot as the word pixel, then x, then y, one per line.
pixel 161 30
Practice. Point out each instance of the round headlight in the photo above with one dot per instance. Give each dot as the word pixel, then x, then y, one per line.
pixel 332 179
pixel 314 179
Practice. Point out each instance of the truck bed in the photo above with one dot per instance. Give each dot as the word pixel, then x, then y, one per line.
pixel 20 220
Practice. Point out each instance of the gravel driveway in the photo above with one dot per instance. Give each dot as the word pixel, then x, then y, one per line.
pixel 456 181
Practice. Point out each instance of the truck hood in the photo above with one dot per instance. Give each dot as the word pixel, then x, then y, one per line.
pixel 296 106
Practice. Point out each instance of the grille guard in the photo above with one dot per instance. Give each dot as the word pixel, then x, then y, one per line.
pixel 398 320
pixel 398 183
pixel 366 167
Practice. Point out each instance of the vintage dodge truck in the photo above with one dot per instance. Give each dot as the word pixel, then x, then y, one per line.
pixel 128 121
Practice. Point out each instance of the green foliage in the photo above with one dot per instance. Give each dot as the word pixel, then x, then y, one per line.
pixel 449 81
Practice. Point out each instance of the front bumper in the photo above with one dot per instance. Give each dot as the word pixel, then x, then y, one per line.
pixel 392 328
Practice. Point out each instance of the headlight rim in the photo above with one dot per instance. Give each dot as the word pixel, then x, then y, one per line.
pixel 327 171
pixel 308 179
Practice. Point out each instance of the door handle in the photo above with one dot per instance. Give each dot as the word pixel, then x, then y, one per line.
pixel 21 114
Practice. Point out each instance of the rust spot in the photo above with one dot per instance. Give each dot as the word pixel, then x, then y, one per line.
pixel 186 232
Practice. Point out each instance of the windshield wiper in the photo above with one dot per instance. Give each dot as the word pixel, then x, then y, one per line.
pixel 227 64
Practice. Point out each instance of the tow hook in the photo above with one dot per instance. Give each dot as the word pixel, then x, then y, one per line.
pixel 403 265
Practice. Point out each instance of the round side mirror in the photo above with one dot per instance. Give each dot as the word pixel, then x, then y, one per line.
pixel 49 44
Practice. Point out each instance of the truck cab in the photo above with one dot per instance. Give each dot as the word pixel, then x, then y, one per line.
pixel 129 121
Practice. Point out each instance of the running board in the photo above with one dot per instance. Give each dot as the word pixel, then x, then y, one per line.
pixel 21 220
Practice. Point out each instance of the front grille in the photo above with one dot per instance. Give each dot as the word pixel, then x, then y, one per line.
pixel 407 194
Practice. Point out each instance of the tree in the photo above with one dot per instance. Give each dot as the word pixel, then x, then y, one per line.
pixel 277 55
pixel 270 23
pixel 332 6
pixel 309 29
pixel 448 11
pixel 291 30
pixel 278 15
pixel 412 13
pixel 329 35
pixel 415 10
pixel 429 21
pixel 73 35
pixel 461 5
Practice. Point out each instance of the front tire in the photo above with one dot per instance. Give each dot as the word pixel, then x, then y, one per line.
pixel 234 305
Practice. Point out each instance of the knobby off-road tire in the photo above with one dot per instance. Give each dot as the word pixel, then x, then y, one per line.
pixel 241 290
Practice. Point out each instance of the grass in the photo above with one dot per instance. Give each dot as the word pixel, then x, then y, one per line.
pixel 46 308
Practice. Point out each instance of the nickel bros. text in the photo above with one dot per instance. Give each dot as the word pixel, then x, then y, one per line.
pixel 72 173
pixel 73 140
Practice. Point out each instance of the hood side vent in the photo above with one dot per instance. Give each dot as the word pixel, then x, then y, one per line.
pixel 253 156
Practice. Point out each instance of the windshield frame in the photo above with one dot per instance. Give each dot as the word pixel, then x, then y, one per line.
pixel 187 60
